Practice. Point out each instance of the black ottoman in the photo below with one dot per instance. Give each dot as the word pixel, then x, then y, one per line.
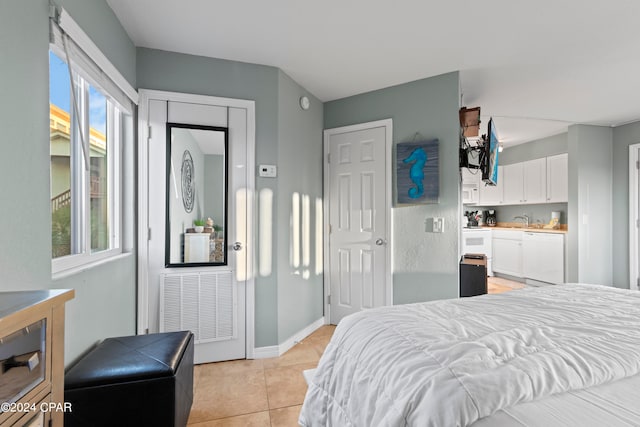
pixel 143 380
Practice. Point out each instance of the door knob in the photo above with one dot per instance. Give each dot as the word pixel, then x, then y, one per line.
pixel 237 246
pixel 380 241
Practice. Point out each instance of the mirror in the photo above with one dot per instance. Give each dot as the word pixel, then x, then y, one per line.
pixel 196 188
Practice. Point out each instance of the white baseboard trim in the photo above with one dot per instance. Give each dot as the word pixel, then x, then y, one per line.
pixel 265 352
pixel 279 350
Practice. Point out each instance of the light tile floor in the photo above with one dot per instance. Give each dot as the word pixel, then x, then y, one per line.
pixel 498 285
pixel 256 393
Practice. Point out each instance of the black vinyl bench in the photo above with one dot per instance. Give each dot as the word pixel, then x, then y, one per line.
pixel 143 380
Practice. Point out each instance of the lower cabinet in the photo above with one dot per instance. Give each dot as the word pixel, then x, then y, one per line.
pixel 543 257
pixel 529 255
pixel 507 252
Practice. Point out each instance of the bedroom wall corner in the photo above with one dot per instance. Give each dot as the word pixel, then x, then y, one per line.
pixel 299 181
pixel 425 265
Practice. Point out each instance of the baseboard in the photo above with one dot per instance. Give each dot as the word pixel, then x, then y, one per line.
pixel 265 352
pixel 279 350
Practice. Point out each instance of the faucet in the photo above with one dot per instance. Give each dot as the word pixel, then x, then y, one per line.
pixel 524 218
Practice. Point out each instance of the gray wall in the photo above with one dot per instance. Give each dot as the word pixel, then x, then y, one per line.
pixel 105 296
pixel 590 204
pixel 425 265
pixel 623 137
pixel 300 290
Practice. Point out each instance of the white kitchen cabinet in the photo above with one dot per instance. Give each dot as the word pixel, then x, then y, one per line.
pixel 507 252
pixel 535 181
pixel 492 195
pixel 525 182
pixel 543 257
pixel 513 184
pixel 558 178
pixel 470 185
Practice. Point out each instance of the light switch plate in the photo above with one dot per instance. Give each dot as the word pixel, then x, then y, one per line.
pixel 268 171
pixel 438 225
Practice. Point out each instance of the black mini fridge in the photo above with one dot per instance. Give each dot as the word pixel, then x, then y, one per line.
pixel 473 275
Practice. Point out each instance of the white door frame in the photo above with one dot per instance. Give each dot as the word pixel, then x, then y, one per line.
pixel 143 202
pixel 634 215
pixel 388 125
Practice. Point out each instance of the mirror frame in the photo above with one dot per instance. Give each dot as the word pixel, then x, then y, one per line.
pixel 225 188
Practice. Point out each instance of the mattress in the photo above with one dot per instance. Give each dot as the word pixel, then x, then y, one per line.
pixel 561 355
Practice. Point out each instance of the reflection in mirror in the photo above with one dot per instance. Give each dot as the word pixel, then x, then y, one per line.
pixel 196 185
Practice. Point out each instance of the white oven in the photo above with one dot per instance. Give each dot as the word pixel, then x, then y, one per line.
pixel 478 241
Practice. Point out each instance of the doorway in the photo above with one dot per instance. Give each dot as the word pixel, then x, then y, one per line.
pixel 357 193
pixel 196 186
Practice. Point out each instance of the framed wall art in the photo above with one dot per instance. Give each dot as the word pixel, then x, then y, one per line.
pixel 417 172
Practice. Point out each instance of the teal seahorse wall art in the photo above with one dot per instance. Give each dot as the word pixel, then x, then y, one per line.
pixel 417 172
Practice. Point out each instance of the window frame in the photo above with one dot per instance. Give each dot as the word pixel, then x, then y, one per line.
pixel 82 255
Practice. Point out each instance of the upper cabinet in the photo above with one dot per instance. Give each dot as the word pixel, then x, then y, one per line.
pixel 513 184
pixel 535 181
pixel 558 178
pixel 491 195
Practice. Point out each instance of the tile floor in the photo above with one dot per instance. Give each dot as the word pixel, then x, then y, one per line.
pixel 268 392
pixel 256 393
pixel 498 285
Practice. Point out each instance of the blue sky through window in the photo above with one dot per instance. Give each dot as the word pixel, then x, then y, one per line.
pixel 60 93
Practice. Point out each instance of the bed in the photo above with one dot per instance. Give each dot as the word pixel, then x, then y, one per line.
pixel 554 356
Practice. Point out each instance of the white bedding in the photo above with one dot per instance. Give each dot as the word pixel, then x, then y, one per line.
pixel 453 362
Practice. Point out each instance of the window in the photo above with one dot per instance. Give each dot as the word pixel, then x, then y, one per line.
pixel 85 209
pixel 91 125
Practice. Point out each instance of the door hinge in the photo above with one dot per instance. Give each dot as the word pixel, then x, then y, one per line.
pixel 149 234
pixel 328 157
pixel 328 299
pixel 637 223
pixel 330 228
pixel 638 282
pixel 637 164
pixel 149 132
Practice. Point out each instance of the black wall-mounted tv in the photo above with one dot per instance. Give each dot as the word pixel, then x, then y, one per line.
pixel 490 159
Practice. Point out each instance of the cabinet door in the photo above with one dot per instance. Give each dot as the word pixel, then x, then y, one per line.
pixel 491 195
pixel 535 181
pixel 558 178
pixel 513 184
pixel 543 257
pixel 507 257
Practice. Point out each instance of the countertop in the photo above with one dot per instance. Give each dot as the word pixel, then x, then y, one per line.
pixel 518 226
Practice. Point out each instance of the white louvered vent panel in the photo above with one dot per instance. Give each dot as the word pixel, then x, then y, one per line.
pixel 190 298
pixel 204 303
pixel 208 306
pixel 226 306
pixel 170 310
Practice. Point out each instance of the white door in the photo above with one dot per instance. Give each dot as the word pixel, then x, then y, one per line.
pixel 359 202
pixel 208 298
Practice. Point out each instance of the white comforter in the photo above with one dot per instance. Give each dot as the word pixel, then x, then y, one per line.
pixel 450 363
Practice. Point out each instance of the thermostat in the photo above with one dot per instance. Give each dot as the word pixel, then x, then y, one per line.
pixel 268 171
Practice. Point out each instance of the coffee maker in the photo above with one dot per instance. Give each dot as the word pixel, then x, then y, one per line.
pixel 490 218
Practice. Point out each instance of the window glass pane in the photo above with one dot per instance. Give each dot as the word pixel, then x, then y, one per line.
pixel 60 150
pixel 99 196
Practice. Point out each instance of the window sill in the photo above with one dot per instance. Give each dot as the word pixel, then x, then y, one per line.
pixel 88 266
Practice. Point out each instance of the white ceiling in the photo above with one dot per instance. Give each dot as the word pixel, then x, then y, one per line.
pixel 535 66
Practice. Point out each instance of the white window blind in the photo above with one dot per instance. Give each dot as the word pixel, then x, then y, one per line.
pixel 91 62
